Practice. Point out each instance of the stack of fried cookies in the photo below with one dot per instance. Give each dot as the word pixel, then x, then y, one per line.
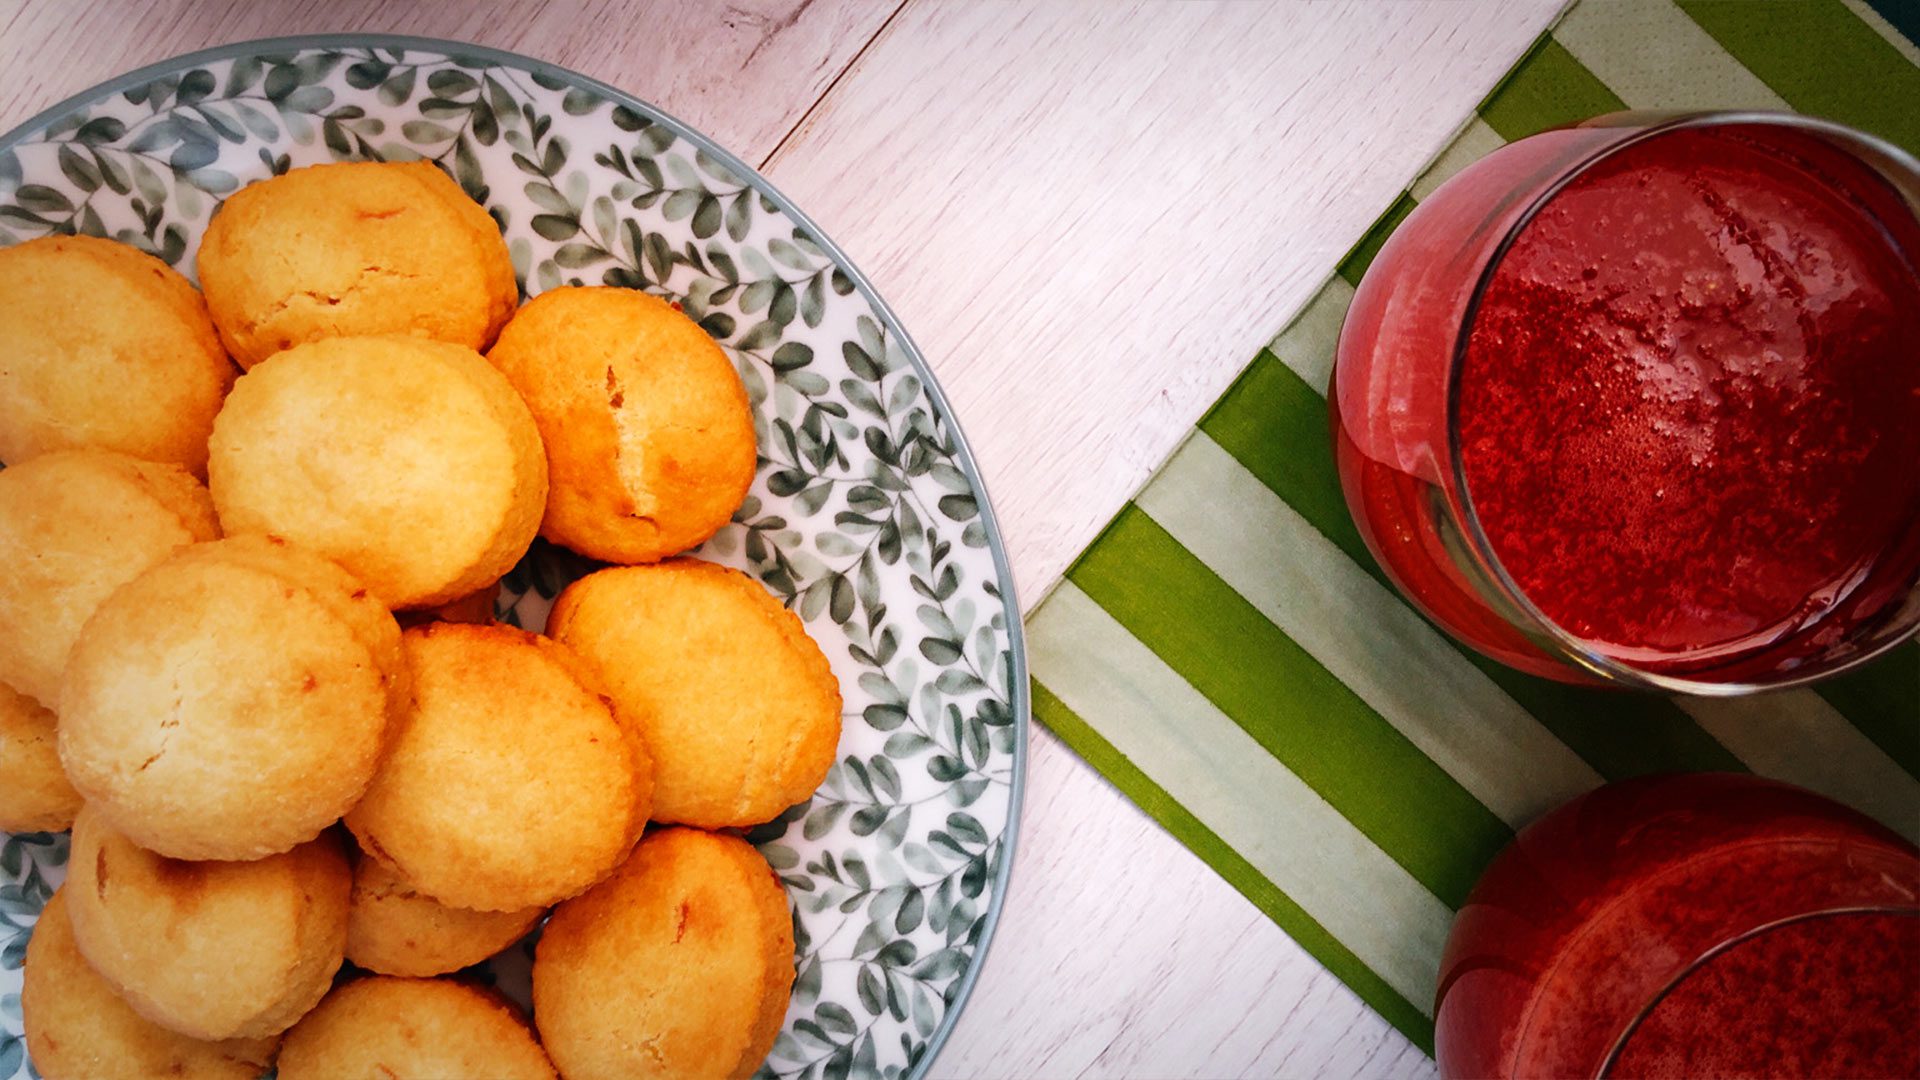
pixel 294 821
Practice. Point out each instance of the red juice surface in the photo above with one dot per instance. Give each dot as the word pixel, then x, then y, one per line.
pixel 1697 918
pixel 1689 410
pixel 1827 996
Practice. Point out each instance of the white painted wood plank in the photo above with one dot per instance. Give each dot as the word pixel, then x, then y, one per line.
pixel 744 71
pixel 1123 955
pixel 1090 216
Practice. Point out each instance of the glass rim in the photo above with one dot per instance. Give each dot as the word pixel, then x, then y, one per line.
pixel 1695 965
pixel 1566 646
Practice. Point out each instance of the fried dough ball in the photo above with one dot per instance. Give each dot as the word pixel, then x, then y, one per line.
pixel 510 783
pixel 649 436
pixel 232 701
pixel 215 950
pixel 350 249
pixel 678 966
pixel 74 526
pixel 78 1028
pixel 34 793
pixel 380 1028
pixel 395 929
pixel 411 463
pixel 105 346
pixel 738 705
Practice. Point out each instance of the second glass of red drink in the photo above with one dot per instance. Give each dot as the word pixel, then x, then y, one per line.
pixel 1704 925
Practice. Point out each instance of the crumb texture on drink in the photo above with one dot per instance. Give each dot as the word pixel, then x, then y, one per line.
pixel 1689 414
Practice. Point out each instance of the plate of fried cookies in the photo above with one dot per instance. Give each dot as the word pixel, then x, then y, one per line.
pixel 489 590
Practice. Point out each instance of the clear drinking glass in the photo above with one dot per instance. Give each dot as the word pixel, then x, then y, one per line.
pixel 1688 925
pixel 1412 380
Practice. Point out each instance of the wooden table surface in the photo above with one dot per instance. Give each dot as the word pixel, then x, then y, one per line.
pixel 1089 215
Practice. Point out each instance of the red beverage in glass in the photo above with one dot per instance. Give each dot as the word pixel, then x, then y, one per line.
pixel 1641 401
pixel 1701 925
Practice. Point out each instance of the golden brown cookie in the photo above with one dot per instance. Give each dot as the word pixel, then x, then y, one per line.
pixel 411 463
pixel 679 965
pixel 395 929
pixel 34 793
pixel 351 249
pixel 104 346
pixel 230 702
pixel 74 526
pixel 737 704
pixel 78 1028
pixel 384 1028
pixel 649 436
pixel 214 950
pixel 508 783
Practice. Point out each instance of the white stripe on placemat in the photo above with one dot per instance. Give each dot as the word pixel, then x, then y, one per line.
pixel 1363 633
pixel 1794 735
pixel 1653 56
pixel 1255 804
pixel 1307 345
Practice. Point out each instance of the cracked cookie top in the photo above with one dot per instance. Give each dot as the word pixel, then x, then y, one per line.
pixel 354 248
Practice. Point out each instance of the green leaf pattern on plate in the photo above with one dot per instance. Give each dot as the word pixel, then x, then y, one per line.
pixel 862 518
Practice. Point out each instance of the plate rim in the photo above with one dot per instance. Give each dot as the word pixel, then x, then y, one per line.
pixel 1019 689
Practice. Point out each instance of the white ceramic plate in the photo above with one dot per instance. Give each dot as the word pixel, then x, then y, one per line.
pixel 867 516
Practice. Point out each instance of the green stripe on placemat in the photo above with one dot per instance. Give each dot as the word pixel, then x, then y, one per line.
pixel 1822 58
pixel 1547 89
pixel 1883 700
pixel 1231 657
pixel 1291 705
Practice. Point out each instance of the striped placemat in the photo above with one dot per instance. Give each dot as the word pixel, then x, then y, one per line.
pixel 1229 655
